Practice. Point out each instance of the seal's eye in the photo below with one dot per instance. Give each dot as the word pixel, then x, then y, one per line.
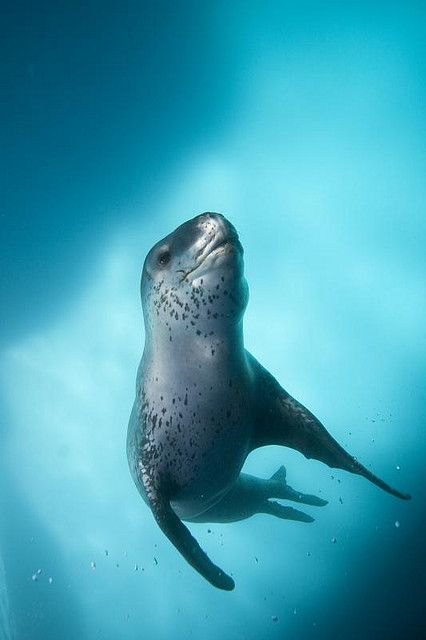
pixel 164 258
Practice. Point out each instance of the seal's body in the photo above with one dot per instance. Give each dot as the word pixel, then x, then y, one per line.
pixel 201 421
pixel 203 402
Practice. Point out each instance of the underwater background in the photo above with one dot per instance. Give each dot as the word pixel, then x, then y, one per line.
pixel 304 123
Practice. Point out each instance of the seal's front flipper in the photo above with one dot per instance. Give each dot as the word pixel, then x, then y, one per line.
pixel 186 544
pixel 285 513
pixel 280 489
pixel 284 421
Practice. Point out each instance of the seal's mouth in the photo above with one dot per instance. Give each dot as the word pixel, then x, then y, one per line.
pixel 217 245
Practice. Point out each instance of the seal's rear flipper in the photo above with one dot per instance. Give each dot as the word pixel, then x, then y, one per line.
pixel 280 489
pixel 186 544
pixel 278 510
pixel 284 421
pixel 280 475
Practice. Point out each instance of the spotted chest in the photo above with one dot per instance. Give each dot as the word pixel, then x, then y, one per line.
pixel 193 439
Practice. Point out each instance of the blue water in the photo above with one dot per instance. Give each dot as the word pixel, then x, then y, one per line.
pixel 304 124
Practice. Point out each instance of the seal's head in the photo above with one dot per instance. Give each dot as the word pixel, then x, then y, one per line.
pixel 194 277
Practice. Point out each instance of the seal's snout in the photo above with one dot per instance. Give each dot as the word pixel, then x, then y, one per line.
pixel 208 242
pixel 212 224
pixel 216 219
pixel 214 232
pixel 210 216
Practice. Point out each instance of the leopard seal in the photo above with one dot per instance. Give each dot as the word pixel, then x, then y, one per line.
pixel 203 402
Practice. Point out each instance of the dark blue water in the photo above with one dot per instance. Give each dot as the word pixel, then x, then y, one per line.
pixel 304 124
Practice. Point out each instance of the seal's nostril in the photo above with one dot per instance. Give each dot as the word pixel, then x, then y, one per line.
pixel 211 217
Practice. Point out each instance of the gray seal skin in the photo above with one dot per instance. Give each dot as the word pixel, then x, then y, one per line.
pixel 203 402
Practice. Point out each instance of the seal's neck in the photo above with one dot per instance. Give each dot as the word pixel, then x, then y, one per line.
pixel 207 344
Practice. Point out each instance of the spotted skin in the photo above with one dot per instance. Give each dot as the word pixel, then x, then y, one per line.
pixel 203 402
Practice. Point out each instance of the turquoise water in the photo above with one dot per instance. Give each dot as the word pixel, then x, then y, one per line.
pixel 304 124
